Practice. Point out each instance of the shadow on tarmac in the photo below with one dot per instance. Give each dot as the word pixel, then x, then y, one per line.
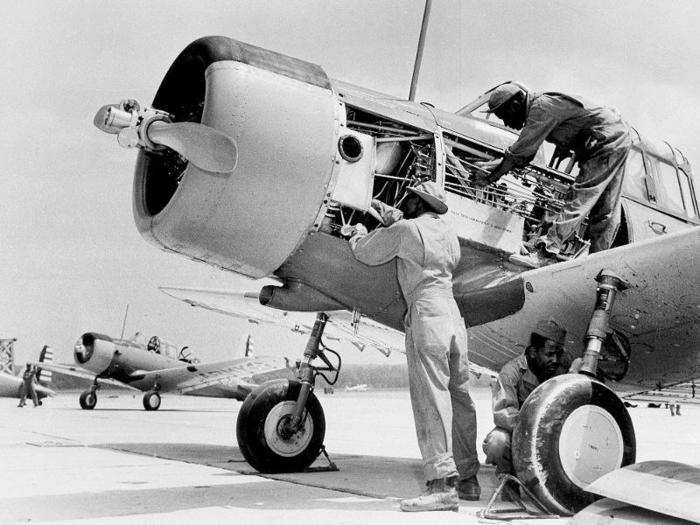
pixel 368 476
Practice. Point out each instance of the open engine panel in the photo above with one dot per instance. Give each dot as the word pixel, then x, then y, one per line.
pixel 405 155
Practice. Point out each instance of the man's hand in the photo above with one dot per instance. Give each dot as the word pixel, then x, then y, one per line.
pixel 384 213
pixel 483 176
pixel 358 231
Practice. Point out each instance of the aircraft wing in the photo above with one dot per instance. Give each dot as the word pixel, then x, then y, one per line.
pixel 236 372
pixel 658 314
pixel 343 325
pixel 242 305
pixel 77 371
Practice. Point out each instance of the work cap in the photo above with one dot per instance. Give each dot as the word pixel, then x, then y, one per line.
pixel 551 330
pixel 433 194
pixel 503 94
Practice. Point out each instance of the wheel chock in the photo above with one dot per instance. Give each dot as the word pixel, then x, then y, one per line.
pixel 518 509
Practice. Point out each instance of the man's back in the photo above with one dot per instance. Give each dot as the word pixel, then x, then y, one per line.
pixel 430 252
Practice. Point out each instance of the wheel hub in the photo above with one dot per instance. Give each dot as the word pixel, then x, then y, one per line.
pixel 281 437
pixel 590 444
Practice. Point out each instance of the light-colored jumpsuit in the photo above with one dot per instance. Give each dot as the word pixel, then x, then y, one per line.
pixel 514 384
pixel 427 251
pixel 601 141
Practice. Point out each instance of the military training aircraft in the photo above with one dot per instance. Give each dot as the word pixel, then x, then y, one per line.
pixel 260 164
pixel 11 379
pixel 158 367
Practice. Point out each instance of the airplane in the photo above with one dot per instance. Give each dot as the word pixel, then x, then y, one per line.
pixel 11 380
pixel 357 388
pixel 260 164
pixel 157 366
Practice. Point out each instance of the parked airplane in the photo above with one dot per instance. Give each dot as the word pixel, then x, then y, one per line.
pixel 157 366
pixel 258 163
pixel 357 388
pixel 11 379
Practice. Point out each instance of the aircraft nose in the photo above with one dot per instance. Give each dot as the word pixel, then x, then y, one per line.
pixel 94 351
pixel 82 351
pixel 85 347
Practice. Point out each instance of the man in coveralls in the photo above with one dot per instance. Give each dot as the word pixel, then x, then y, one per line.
pixel 600 141
pixel 427 250
pixel 27 386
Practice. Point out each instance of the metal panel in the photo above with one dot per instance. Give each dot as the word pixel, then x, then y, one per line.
pixel 666 487
pixel 353 186
pixel 486 225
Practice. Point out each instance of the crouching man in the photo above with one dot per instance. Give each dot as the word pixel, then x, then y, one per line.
pixel 517 379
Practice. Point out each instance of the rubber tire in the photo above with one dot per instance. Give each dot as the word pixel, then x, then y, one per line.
pixel 250 430
pixel 88 400
pixel 535 441
pixel 148 400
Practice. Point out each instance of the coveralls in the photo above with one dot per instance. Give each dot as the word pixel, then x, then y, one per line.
pixel 514 384
pixel 27 388
pixel 427 251
pixel 601 141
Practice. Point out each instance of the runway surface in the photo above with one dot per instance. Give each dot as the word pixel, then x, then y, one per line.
pixel 120 464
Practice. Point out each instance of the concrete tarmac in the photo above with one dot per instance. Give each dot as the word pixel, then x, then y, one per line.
pixel 121 464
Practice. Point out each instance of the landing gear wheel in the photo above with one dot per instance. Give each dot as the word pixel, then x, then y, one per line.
pixel 261 434
pixel 571 430
pixel 88 400
pixel 151 400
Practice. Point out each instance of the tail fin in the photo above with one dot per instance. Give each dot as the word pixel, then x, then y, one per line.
pixel 7 355
pixel 45 356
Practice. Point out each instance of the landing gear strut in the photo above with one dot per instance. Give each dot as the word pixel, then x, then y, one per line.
pixel 281 425
pixel 573 429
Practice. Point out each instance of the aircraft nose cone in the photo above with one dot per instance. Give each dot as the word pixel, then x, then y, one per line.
pixel 84 348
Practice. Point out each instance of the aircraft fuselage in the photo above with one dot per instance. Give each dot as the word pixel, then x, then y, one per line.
pixel 311 154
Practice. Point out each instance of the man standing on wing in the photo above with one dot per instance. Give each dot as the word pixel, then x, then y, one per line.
pixel 600 141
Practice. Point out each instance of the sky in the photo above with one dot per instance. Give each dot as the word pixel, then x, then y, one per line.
pixel 71 258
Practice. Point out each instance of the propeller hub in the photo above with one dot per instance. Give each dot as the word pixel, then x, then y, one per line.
pixel 153 130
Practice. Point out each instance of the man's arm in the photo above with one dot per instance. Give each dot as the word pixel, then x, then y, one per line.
pixel 380 245
pixel 540 122
pixel 506 408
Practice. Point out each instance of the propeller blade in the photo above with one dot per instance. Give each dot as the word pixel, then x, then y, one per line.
pixel 205 147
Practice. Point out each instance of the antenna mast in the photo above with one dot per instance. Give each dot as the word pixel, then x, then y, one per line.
pixel 419 51
pixel 126 313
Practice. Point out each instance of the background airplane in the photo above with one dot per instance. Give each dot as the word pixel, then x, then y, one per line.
pixel 156 367
pixel 11 378
pixel 336 147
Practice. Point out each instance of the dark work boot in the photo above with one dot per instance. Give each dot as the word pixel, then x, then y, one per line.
pixel 440 495
pixel 469 489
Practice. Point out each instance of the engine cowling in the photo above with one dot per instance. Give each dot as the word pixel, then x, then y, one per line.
pixel 285 119
pixel 94 352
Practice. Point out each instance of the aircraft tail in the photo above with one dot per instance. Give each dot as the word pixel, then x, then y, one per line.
pixel 7 355
pixel 45 356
